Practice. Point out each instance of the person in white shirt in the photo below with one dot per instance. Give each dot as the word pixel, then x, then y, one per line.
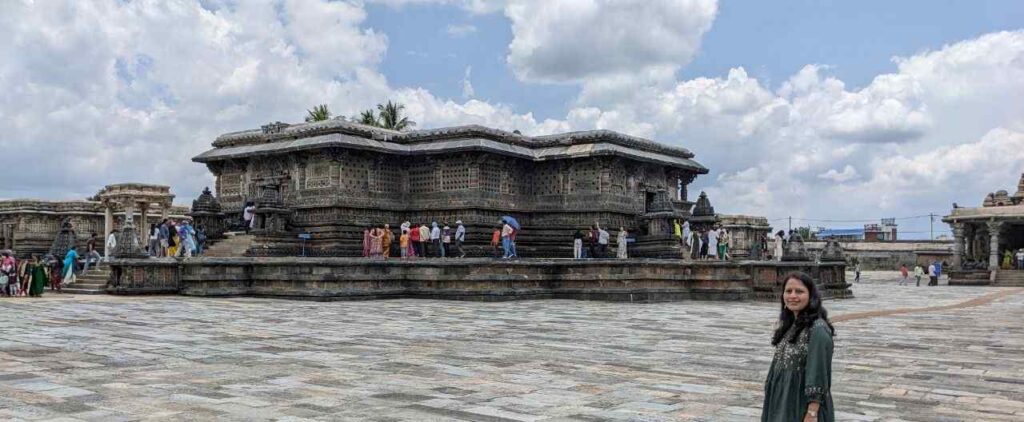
pixel 506 240
pixel 602 242
pixel 248 214
pixel 933 280
pixel 109 245
pixel 460 236
pixel 435 239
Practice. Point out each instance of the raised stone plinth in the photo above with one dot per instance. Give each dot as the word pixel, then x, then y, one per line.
pixel 640 280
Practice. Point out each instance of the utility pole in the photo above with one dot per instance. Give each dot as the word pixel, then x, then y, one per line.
pixel 931 225
pixel 790 223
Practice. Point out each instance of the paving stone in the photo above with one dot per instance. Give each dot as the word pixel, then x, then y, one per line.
pixel 181 358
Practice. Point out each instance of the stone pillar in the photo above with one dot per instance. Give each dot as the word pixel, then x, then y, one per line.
pixel 108 219
pixel 993 253
pixel 958 245
pixel 143 226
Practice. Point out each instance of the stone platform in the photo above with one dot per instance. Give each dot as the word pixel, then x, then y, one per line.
pixel 477 279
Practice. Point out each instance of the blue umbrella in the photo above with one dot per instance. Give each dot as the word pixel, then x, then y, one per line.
pixel 511 221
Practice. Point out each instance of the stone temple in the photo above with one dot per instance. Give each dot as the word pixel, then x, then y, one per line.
pixel 331 179
pixel 983 235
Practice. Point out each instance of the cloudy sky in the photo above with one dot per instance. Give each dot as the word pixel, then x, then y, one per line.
pixel 810 109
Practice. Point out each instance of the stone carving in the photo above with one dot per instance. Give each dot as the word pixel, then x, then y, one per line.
pixel 795 249
pixel 206 213
pixel 66 240
pixel 128 242
pixel 833 251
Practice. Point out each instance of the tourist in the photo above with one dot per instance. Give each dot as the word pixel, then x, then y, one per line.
pixel 37 272
pixel 799 382
pixel 512 242
pixel 446 240
pixel 592 236
pixel 424 240
pixel 856 272
pixel 695 244
pixel 165 236
pixel 109 245
pixel 25 276
pixel 1020 259
pixel 703 244
pixel 56 272
pixel 200 240
pixel 70 259
pixel 460 238
pixel 577 245
pixel 677 230
pixel 154 240
pixel 404 227
pixel 918 273
pixel 366 242
pixel 435 239
pixel 723 243
pixel 173 241
pixel 248 216
pixel 713 244
pixel 403 244
pixel 602 242
pixel 8 274
pixel 904 275
pixel 376 242
pixel 496 241
pixel 933 279
pixel 506 240
pixel 620 243
pixel 386 239
pixel 91 255
pixel 187 235
pixel 938 272
pixel 1007 260
pixel 414 242
pixel 686 234
pixel 778 245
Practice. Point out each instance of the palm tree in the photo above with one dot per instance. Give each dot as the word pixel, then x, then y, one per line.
pixel 318 113
pixel 391 117
pixel 368 118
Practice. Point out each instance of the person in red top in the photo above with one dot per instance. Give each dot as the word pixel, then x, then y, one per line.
pixel 496 242
pixel 904 274
pixel 414 237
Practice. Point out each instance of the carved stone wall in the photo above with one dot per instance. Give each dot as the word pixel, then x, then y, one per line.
pixel 29 226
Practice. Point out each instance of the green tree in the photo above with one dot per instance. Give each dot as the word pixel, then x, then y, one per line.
pixel 318 113
pixel 391 117
pixel 367 117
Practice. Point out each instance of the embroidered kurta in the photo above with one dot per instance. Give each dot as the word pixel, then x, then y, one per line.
pixel 801 372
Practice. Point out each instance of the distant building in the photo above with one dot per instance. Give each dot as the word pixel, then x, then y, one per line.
pixel 884 232
pixel 841 234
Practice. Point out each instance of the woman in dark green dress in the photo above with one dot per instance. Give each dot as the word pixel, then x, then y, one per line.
pixel 37 271
pixel 799 382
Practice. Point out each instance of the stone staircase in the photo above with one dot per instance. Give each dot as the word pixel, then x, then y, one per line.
pixel 233 245
pixel 1013 278
pixel 92 283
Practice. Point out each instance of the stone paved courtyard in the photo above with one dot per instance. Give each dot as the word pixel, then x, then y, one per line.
pixel 107 358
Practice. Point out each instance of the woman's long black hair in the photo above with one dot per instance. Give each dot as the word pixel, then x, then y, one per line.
pixel 808 315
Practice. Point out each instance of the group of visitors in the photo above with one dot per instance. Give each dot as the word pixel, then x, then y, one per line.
pixel 596 240
pixel 175 239
pixel 1013 260
pixel 703 243
pixel 415 241
pixel 934 271
pixel 30 277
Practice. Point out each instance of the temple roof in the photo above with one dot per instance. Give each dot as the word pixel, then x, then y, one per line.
pixel 279 137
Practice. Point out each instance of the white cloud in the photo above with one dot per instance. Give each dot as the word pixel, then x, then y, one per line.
pixel 560 41
pixel 460 30
pixel 471 6
pixel 848 173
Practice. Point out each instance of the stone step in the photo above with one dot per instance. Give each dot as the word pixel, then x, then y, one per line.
pixel 80 291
